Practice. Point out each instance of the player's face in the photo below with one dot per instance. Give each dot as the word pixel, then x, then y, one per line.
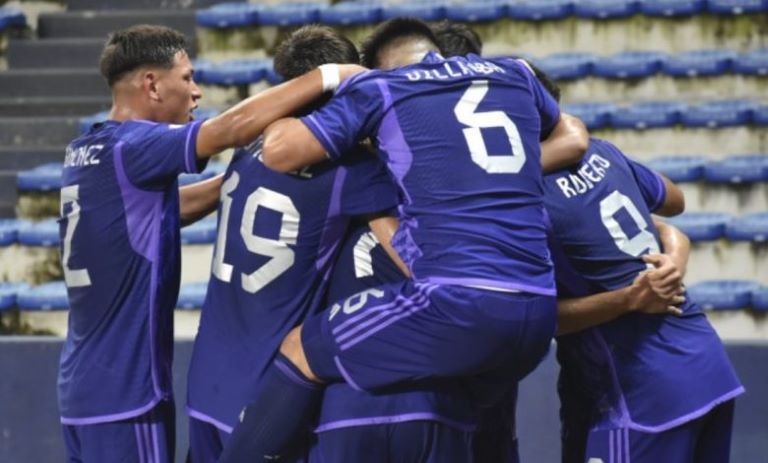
pixel 177 91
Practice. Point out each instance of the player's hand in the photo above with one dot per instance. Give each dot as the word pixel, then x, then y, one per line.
pixel 643 298
pixel 665 278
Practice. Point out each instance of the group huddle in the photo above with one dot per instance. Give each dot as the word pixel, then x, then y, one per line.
pixel 397 246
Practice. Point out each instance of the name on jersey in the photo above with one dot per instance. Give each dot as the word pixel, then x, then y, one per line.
pixel 82 156
pixel 453 69
pixel 585 178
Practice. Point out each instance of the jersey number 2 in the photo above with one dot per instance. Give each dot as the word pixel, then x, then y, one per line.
pixel 80 277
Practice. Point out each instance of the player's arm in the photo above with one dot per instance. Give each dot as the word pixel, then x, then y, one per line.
pixel 384 228
pixel 565 145
pixel 245 121
pixel 674 201
pixel 666 278
pixel 289 145
pixel 199 199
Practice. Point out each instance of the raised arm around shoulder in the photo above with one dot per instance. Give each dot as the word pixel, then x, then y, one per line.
pixel 674 201
pixel 244 122
pixel 289 145
pixel 199 199
pixel 565 145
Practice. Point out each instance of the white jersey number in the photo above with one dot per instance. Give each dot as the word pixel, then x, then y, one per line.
pixel 467 114
pixel 281 255
pixel 80 277
pixel 638 244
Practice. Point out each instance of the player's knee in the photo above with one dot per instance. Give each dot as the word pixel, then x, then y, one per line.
pixel 294 351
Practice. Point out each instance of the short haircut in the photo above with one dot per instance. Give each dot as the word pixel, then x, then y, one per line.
pixel 389 32
pixel 548 84
pixel 137 46
pixel 457 39
pixel 310 46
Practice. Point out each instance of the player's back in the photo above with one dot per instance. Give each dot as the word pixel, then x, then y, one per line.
pixel 277 239
pixel 630 368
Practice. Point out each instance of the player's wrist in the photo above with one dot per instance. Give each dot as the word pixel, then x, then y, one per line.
pixel 331 77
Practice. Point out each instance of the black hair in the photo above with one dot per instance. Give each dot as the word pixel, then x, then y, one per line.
pixel 389 32
pixel 457 39
pixel 548 84
pixel 143 45
pixel 310 46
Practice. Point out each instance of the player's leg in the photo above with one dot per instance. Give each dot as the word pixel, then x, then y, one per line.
pixel 495 440
pixel 622 445
pixel 71 443
pixel 205 442
pixel 714 442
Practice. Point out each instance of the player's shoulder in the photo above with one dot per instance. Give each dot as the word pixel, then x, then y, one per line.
pixel 604 148
pixel 366 81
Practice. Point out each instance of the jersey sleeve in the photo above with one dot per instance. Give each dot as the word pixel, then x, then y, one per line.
pixel 368 187
pixel 650 183
pixel 155 154
pixel 350 116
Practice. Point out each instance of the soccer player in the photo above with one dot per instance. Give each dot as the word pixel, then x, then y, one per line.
pixel 461 137
pixel 277 239
pixel 120 214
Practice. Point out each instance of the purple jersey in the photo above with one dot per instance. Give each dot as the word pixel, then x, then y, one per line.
pixel 362 265
pixel 277 240
pixel 645 372
pixel 120 251
pixel 461 138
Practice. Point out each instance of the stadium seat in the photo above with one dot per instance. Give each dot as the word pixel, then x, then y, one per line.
pixel 736 6
pixel 424 10
pixel 560 66
pixel 751 227
pixel 594 115
pixel 672 7
pixel 9 231
pixel 289 14
pixel 540 10
pixel 349 13
pixel 724 113
pixel 46 177
pixel 224 15
pixel 754 62
pixel 604 9
pixel 760 298
pixel 723 294
pixel 748 168
pixel 234 72
pixel 648 114
pixel 476 10
pixel 200 232
pixel 701 226
pixel 760 115
pixel 11 17
pixel 43 233
pixel 206 113
pixel 192 295
pixel 629 64
pixel 8 294
pixel 211 170
pixel 48 296
pixel 699 63
pixel 680 169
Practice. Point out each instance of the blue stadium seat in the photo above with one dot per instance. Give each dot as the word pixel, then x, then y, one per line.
pixel 11 17
pixel 760 298
pixel 43 233
pixel 723 294
pixel 234 72
pixel 206 113
pixel 476 10
pixel 736 6
pixel 699 63
pixel 273 78
pixel 224 15
pixel 754 62
pixel 213 169
pixel 540 10
pixel 290 14
pixel 48 296
pixel 746 168
pixel 87 121
pixel 8 294
pixel 192 295
pixel 672 7
pixel 724 113
pixel 46 177
pixel 701 226
pixel 648 114
pixel 751 227
pixel 760 115
pixel 604 9
pixel 680 169
pixel 629 64
pixel 424 10
pixel 9 231
pixel 594 115
pixel 348 13
pixel 200 232
pixel 567 65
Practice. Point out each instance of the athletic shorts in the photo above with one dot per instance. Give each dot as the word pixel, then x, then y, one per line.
pixel 206 441
pixel 148 438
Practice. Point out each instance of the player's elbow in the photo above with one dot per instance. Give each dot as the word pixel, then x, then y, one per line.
pixel 275 153
pixel 674 203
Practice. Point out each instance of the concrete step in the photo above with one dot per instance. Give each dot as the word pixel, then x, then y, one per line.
pixel 99 24
pixel 16 83
pixel 16 158
pixel 54 53
pixel 53 106
pixel 77 5
pixel 38 131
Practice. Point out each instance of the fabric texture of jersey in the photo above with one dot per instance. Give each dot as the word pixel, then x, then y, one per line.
pixel 278 236
pixel 119 229
pixel 461 138
pixel 643 372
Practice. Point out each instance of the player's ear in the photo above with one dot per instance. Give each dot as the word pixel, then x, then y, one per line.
pixel 149 83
